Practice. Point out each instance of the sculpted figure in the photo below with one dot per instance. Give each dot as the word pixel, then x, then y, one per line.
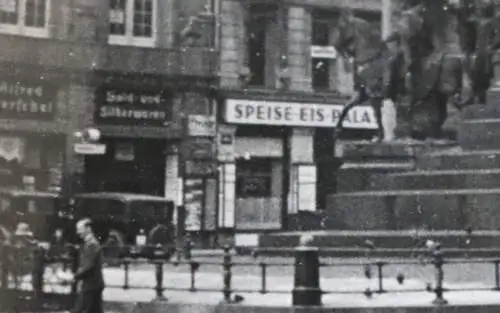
pixel 421 69
pixel 350 41
pixel 479 38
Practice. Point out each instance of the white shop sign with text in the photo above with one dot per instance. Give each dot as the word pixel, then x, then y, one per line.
pixel 297 114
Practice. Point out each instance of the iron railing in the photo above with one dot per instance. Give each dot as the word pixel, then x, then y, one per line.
pixel 27 283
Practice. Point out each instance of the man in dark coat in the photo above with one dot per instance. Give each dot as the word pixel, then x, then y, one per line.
pixel 89 277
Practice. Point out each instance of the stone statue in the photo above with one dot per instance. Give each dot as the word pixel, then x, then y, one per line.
pixel 424 69
pixel 350 41
pixel 479 33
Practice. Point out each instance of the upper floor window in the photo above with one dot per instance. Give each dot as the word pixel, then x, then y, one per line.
pixel 320 54
pixel 132 22
pixel 24 17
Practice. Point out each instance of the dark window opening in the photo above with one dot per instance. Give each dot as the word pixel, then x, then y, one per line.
pixel 256 51
pixel 320 33
pixel 321 67
pixel 254 178
pixel 321 73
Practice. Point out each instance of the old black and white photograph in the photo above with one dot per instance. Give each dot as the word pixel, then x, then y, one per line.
pixel 258 156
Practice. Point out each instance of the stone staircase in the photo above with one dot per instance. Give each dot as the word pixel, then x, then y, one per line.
pixel 399 194
pixel 436 187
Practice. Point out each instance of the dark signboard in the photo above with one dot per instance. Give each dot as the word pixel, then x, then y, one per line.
pixel 133 107
pixel 27 99
pixel 193 148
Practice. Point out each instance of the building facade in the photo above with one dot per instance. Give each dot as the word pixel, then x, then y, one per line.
pixel 135 70
pixel 282 87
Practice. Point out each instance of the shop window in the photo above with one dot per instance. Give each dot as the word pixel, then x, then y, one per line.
pixel 25 17
pixel 132 22
pixel 254 178
pixel 321 61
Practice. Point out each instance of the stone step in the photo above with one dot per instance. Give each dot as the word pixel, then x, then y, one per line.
pixel 440 209
pixel 362 160
pixel 358 176
pixel 350 241
pixel 479 112
pixel 456 158
pixel 361 151
pixel 480 134
pixel 438 179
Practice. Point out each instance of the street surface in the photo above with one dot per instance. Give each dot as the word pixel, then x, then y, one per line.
pixel 247 279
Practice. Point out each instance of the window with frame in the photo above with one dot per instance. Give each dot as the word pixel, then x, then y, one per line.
pixel 132 22
pixel 254 178
pixel 25 17
pixel 320 66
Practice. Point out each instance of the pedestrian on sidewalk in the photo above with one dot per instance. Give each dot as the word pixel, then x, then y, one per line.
pixel 89 276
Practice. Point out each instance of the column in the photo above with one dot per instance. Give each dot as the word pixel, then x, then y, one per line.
pixel 227 176
pixel 388 107
pixel 299 54
pixel 231 43
pixel 167 16
pixel 302 192
pixel 173 181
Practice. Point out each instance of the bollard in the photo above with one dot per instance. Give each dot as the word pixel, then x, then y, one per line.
pixel 227 274
pixel 37 275
pixel 4 274
pixel 306 290
pixel 159 281
pixel 188 247
pixel 438 264
pixel 126 268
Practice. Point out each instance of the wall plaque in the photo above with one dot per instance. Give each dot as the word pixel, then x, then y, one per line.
pixel 133 107
pixel 27 99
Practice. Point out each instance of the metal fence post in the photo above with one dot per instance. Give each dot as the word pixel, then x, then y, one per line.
pixel 4 274
pixel 438 264
pixel 227 274
pixel 306 290
pixel 159 281
pixel 37 274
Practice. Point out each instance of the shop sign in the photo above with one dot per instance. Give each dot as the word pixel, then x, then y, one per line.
pixel 297 114
pixel 197 149
pixel 201 126
pixel 199 168
pixel 323 52
pixel 132 107
pixel 90 148
pixel 27 99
